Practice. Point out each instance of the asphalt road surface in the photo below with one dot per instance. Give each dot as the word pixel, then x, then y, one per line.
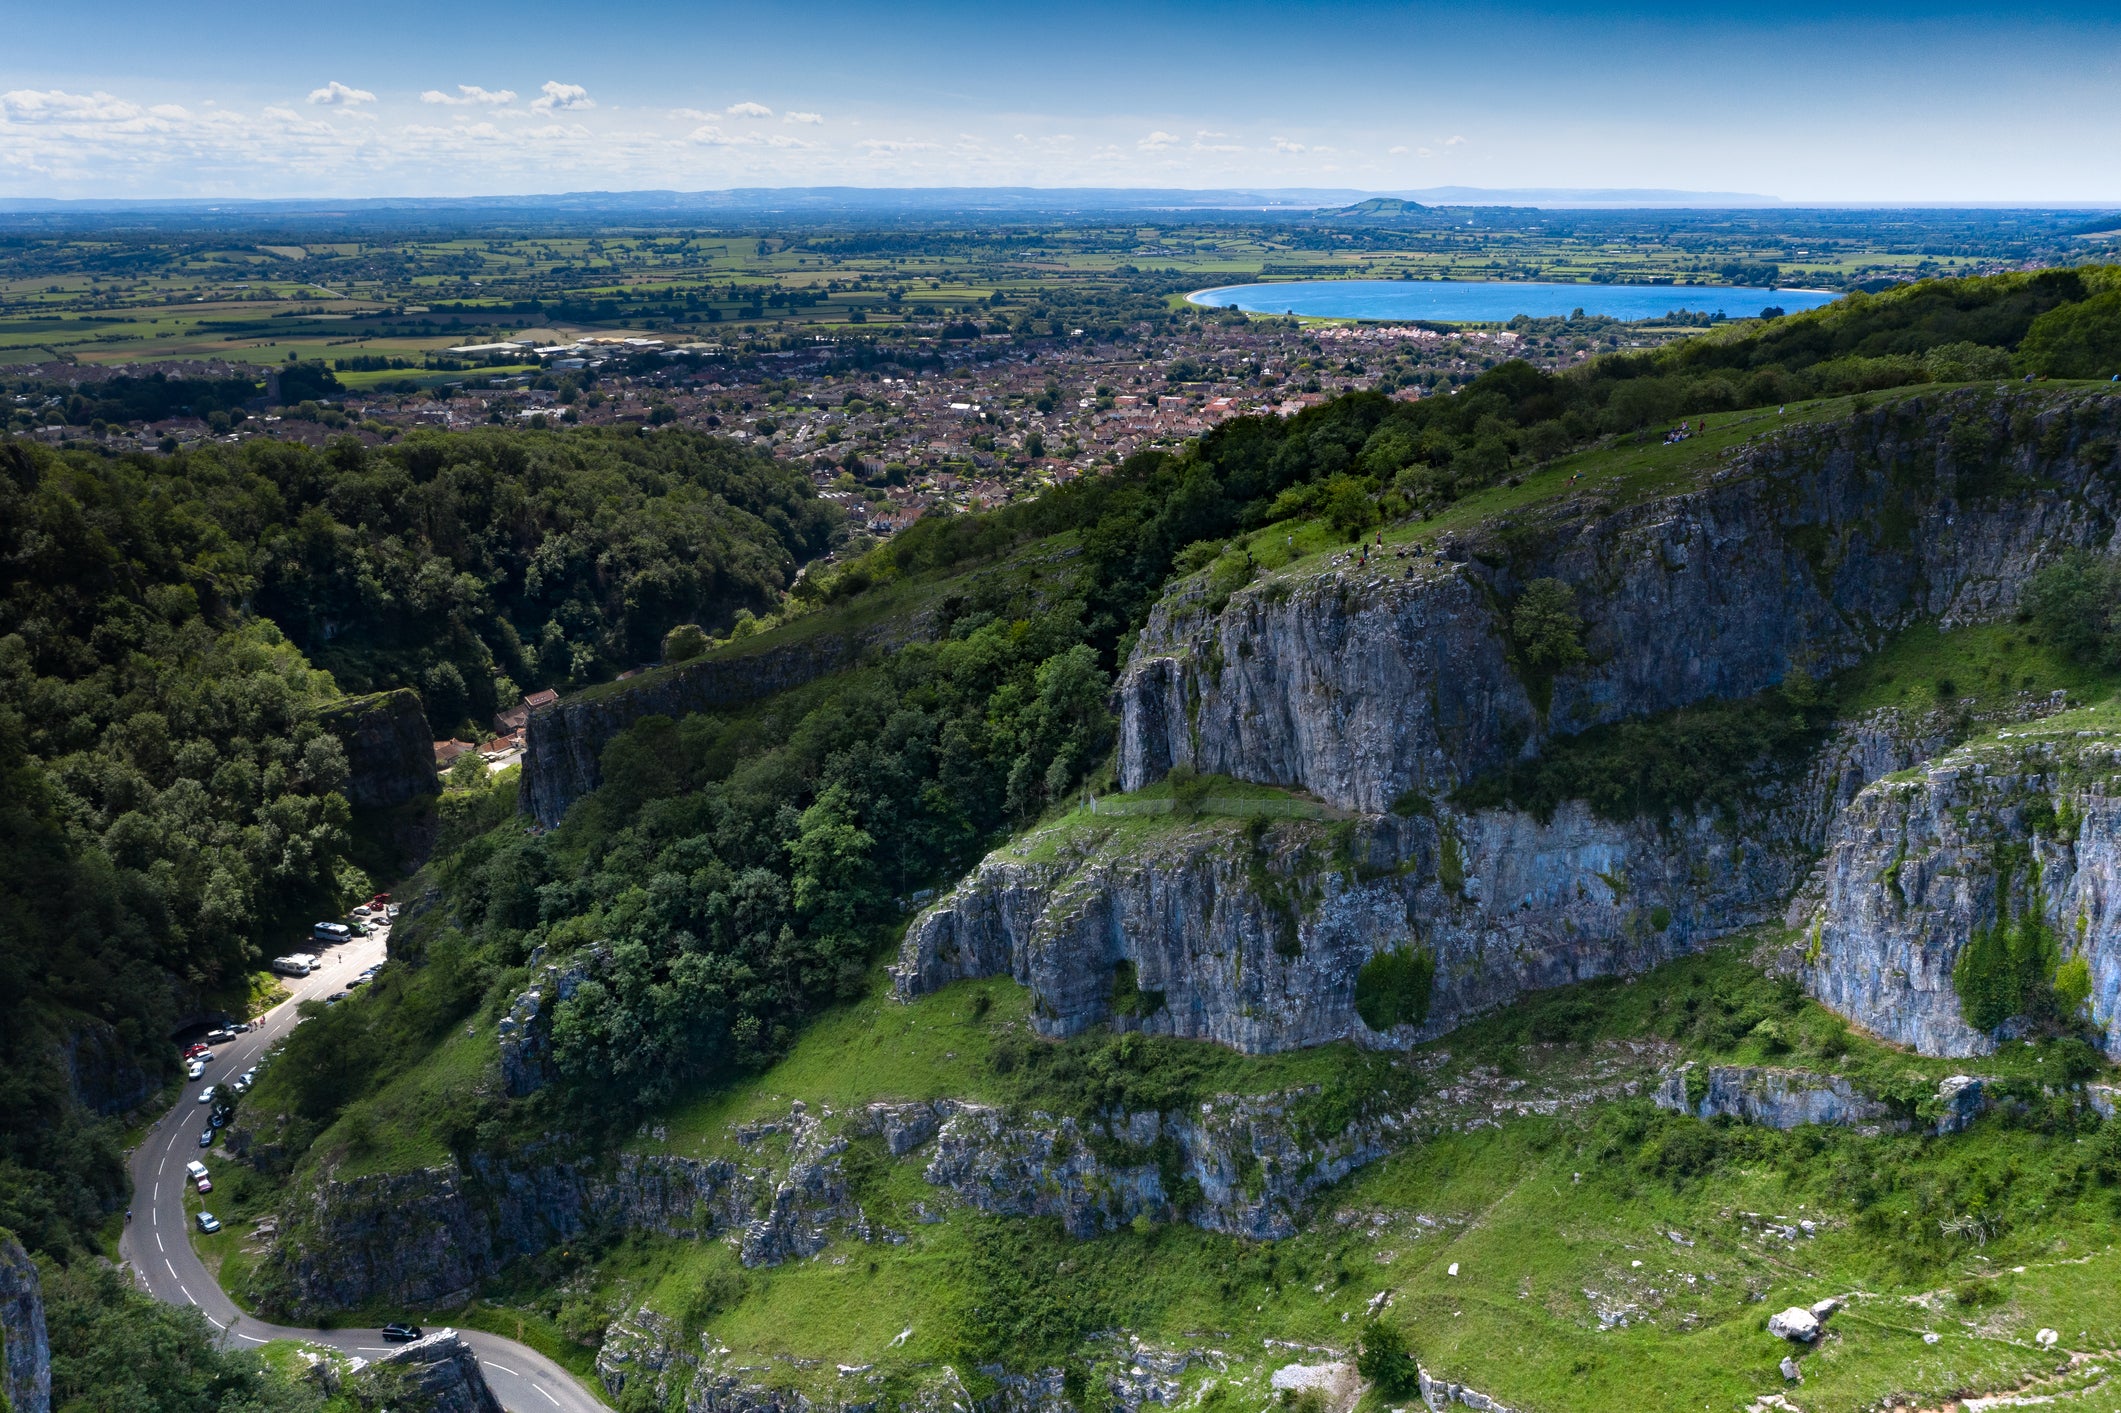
pixel 157 1244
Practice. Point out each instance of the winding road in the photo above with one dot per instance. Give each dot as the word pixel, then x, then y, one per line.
pixel 157 1241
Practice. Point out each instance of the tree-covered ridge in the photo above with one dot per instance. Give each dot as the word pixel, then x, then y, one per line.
pixel 174 808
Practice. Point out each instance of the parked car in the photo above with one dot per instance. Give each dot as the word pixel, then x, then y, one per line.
pixel 250 1076
pixel 241 1027
pixel 206 1139
pixel 217 1036
pixel 238 1085
pixel 335 998
pixel 194 1070
pixel 204 1057
pixel 218 1119
pixel 398 1332
pixel 206 1095
pixel 361 980
pixel 192 1052
pixel 203 1183
pixel 208 1222
pixel 195 1169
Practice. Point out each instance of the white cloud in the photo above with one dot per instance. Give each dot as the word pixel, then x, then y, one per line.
pixel 1399 151
pixel 883 144
pixel 1282 144
pixel 562 95
pixel 1156 140
pixel 1453 140
pixel 468 94
pixel 28 105
pixel 749 110
pixel 712 136
pixel 338 95
pixel 802 117
pixel 781 139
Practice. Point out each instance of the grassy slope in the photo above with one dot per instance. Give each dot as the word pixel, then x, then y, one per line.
pixel 1530 1239
pixel 1540 1252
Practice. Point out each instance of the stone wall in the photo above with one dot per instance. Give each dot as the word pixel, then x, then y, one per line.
pixel 29 1353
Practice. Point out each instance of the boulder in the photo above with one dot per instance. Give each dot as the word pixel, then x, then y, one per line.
pixel 439 1374
pixel 1790 1371
pixel 1796 1324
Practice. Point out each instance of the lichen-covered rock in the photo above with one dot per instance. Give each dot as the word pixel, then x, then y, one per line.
pixel 389 748
pixel 29 1353
pixel 1796 1324
pixel 1773 1098
pixel 2020 824
pixel 437 1374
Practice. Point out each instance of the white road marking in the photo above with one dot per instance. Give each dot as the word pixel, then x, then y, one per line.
pixel 212 1321
pixel 158 1242
pixel 502 1367
pixel 547 1397
pixel 172 1269
pixel 187 1294
pixel 252 1338
pixel 158 1189
pixel 371 1349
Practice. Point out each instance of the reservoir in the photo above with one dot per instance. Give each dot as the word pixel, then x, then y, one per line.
pixel 1496 301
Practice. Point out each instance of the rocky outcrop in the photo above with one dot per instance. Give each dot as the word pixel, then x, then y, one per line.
pixel 389 748
pixel 437 1374
pixel 1253 934
pixel 1773 1098
pixel 2022 826
pixel 1362 683
pixel 1440 1394
pixel 28 1353
pixel 525 1033
pixel 1382 688
pixel 563 744
pixel 1247 1165
pixel 429 1236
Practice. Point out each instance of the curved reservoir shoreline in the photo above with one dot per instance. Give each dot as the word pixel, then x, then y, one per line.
pixel 1496 301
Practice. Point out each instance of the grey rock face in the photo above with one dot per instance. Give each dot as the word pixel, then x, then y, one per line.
pixel 29 1352
pixel 1440 1394
pixel 389 748
pixel 1774 1098
pixel 1371 690
pixel 1360 684
pixel 1911 872
pixel 438 1374
pixel 563 744
pixel 1254 934
pixel 525 1033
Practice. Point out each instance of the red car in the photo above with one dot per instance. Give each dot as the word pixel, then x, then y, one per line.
pixel 206 1184
pixel 193 1052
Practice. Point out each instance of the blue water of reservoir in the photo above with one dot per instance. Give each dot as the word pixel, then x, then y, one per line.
pixel 1495 301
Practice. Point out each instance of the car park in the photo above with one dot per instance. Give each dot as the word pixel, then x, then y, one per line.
pixel 206 1095
pixel 398 1332
pixel 208 1222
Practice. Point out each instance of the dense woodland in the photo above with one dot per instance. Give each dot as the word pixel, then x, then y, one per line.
pixel 168 626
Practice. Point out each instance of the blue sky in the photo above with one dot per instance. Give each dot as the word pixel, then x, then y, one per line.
pixel 1806 102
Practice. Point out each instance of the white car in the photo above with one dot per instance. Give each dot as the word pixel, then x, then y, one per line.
pixel 208 1222
pixel 194 1069
pixel 206 1095
pixel 195 1170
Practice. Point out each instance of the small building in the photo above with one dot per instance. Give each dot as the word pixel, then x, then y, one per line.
pixel 446 752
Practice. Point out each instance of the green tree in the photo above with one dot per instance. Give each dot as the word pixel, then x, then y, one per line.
pixel 1386 1362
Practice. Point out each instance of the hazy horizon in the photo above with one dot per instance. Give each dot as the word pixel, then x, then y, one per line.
pixel 1813 104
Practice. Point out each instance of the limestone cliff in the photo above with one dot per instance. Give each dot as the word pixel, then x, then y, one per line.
pixel 389 748
pixel 563 744
pixel 28 1353
pixel 1381 688
pixel 2020 824
pixel 1252 933
pixel 1362 683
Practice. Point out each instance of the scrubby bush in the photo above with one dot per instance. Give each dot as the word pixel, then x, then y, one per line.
pixel 1393 988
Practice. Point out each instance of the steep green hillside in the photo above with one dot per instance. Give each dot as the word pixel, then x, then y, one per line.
pixel 638 1081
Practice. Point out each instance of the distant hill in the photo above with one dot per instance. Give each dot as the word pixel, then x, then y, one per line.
pixel 1379 208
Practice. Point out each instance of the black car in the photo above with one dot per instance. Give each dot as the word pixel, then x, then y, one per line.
pixel 398 1333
